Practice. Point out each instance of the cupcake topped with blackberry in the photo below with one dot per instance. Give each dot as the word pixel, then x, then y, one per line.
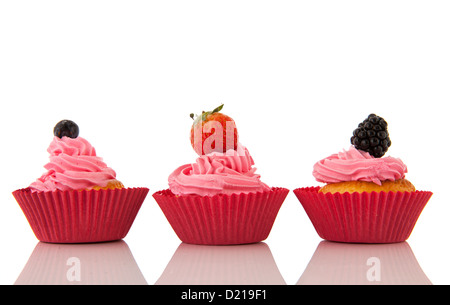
pixel 363 167
pixel 372 136
pixel 78 199
pixel 366 197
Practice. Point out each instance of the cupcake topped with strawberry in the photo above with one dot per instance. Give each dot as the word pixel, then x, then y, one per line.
pixel 224 165
pixel 213 131
pixel 220 188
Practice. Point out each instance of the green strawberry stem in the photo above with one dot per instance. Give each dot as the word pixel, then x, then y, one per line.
pixel 217 109
pixel 205 114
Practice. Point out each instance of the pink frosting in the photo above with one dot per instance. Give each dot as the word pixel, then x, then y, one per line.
pixel 73 165
pixel 357 165
pixel 218 173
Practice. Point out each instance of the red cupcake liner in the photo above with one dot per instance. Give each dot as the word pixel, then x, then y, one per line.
pixel 84 216
pixel 222 219
pixel 374 217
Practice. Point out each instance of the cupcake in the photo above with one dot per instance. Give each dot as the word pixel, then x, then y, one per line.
pixel 78 199
pixel 219 199
pixel 366 197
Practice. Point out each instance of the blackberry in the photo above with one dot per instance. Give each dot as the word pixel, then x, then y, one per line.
pixel 66 128
pixel 372 136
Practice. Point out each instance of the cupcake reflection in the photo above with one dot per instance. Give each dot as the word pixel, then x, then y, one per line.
pixel 110 263
pixel 251 264
pixel 363 264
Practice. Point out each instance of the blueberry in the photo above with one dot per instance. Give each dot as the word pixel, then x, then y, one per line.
pixel 66 128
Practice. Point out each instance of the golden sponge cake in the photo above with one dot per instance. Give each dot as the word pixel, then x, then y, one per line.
pixel 401 185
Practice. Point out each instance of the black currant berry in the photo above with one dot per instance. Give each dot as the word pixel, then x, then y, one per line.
pixel 372 136
pixel 66 128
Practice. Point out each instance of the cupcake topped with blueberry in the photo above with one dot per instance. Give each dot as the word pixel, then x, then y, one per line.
pixel 74 164
pixel 78 199
pixel 366 197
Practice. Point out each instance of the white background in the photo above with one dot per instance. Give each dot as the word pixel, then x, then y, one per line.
pixel 297 77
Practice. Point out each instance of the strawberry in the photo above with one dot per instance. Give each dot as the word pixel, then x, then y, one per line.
pixel 213 131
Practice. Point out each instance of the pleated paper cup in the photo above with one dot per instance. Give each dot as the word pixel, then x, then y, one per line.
pixel 84 216
pixel 222 219
pixel 374 217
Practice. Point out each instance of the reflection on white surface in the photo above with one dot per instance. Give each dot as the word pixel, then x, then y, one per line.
pixel 222 265
pixel 108 263
pixel 363 264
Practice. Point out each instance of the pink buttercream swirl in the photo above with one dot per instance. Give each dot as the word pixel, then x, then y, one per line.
pixel 73 165
pixel 218 173
pixel 357 165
